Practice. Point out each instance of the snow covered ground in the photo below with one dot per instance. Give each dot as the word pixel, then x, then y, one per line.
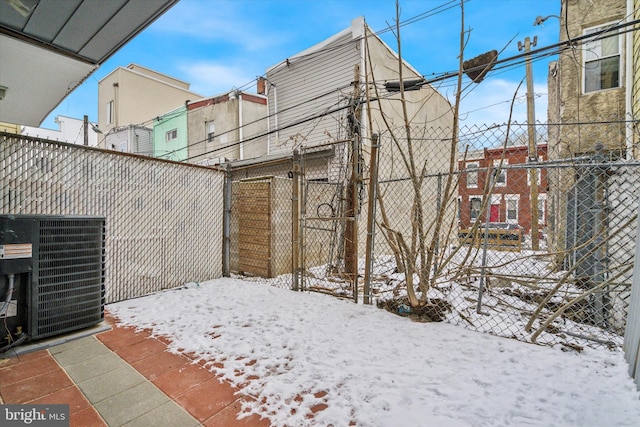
pixel 294 351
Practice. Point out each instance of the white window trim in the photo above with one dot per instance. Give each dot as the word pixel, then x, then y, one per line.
pixel 542 219
pixel 210 131
pixel 539 176
pixel 584 57
pixel 496 164
pixel 471 218
pixel 508 198
pixel 109 113
pixel 477 168
pixel 168 136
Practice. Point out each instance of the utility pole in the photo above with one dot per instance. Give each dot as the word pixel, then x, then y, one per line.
pixel 351 226
pixel 86 130
pixel 533 148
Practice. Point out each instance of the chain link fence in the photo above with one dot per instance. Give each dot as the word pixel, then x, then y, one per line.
pixel 539 248
pixel 491 233
pixel 163 219
pixel 534 242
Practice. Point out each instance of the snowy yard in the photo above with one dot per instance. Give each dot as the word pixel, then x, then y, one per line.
pixel 294 351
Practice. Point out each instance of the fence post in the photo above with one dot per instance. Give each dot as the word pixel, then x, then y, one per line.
pixel 371 213
pixel 351 226
pixel 600 218
pixel 437 237
pixel 295 220
pixel 226 222
pixel 483 267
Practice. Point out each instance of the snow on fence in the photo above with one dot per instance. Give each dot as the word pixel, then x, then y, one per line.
pixel 163 219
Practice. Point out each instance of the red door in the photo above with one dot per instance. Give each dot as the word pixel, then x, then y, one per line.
pixel 494 213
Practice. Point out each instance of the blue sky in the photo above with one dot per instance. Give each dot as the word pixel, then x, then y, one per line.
pixel 217 45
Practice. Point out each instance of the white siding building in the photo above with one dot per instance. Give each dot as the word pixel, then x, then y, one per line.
pixel 310 92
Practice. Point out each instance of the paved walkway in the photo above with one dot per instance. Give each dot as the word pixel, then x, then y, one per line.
pixel 122 378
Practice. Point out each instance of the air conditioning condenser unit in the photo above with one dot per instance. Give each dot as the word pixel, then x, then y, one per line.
pixel 52 275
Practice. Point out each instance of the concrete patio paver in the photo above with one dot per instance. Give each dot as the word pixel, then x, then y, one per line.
pixel 123 377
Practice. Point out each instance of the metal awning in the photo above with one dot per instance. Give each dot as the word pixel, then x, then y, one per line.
pixel 49 47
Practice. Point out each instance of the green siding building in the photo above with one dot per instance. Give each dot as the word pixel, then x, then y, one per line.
pixel 170 135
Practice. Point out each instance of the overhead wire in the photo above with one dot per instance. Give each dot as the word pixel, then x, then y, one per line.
pixel 520 58
pixel 503 64
pixel 315 54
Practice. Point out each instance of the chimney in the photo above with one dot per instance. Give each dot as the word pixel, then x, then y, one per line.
pixel 262 85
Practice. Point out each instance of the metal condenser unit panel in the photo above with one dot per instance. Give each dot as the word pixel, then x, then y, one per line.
pixel 66 269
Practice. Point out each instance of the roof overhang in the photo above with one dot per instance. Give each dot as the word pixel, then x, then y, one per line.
pixel 49 47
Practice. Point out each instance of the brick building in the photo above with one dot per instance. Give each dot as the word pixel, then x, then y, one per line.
pixel 509 199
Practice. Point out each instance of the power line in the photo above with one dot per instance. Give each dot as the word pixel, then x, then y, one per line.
pixel 503 64
pixel 520 58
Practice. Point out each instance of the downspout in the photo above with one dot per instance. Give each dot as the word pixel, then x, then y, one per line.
pixel 116 85
pixel 268 93
pixel 629 122
pixel 275 115
pixel 240 128
pixel 363 67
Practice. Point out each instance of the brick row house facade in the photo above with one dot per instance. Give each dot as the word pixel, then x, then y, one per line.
pixel 511 194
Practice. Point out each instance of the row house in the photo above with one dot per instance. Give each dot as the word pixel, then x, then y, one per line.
pixel 316 105
pixel 309 95
pixel 135 95
pixel 231 126
pixel 210 131
pixel 509 199
pixel 591 102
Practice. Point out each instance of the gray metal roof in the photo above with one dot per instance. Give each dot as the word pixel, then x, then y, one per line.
pixel 49 47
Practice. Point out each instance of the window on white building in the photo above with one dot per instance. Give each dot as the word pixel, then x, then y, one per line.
pixel 210 130
pixel 602 60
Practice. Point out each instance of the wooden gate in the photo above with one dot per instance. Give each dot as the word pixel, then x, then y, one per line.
pixel 254 231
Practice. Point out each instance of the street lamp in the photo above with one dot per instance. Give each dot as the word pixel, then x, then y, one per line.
pixel 540 19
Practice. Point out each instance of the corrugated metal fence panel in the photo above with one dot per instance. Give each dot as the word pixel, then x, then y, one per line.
pixel 163 219
pixel 632 332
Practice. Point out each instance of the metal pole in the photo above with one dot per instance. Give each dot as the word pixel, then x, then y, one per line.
pixel 351 227
pixel 437 237
pixel 533 150
pixel 599 240
pixel 86 130
pixel 371 213
pixel 295 220
pixel 226 222
pixel 485 243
